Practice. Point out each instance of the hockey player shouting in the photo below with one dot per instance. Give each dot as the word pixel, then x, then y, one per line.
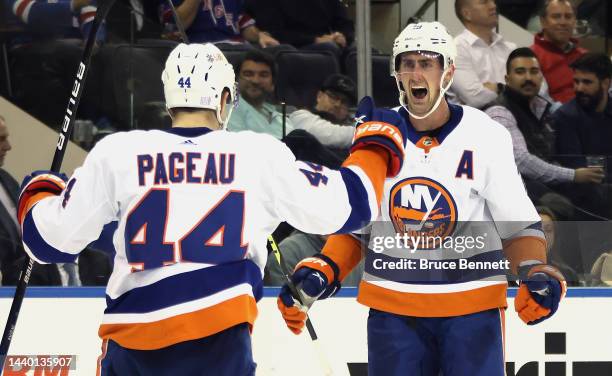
pixel 195 205
pixel 436 317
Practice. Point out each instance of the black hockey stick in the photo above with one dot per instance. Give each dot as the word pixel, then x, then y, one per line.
pixel 284 111
pixel 66 129
pixel 178 22
pixel 311 330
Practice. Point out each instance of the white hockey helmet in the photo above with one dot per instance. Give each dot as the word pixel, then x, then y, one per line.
pixel 426 37
pixel 196 75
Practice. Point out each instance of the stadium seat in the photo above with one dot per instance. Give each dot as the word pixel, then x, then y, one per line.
pixel 156 42
pixel 301 73
pixel 137 85
pixel 384 88
pixel 233 55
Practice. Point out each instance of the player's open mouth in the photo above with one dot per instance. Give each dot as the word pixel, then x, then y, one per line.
pixel 419 92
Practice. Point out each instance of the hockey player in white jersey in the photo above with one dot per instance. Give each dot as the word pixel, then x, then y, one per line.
pixel 195 206
pixel 440 309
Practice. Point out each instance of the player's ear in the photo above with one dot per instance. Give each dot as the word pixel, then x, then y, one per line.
pixel 448 75
pixel 226 102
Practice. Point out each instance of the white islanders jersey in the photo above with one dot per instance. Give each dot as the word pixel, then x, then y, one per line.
pixel 194 210
pixel 462 177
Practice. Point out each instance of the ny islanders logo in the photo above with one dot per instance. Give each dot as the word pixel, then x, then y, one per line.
pixel 422 207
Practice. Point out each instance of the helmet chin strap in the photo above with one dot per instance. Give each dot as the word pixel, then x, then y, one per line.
pixel 224 122
pixel 438 101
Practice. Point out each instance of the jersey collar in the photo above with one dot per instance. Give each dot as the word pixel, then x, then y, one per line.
pixel 439 133
pixel 188 132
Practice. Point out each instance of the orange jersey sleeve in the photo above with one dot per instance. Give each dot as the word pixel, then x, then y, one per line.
pixel 345 251
pixel 373 161
pixel 524 248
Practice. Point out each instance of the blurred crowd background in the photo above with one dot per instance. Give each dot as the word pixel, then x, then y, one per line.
pixel 541 68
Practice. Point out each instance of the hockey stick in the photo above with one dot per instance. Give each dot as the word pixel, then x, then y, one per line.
pixel 178 22
pixel 64 135
pixel 284 109
pixel 327 370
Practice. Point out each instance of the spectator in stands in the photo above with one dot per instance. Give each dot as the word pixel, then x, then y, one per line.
pixel 322 135
pixel 44 58
pixel 296 247
pixel 329 120
pixel 552 251
pixel 11 251
pixel 601 272
pixel 93 267
pixel 481 53
pixel 10 238
pixel 584 124
pixel 526 116
pixel 255 111
pixel 60 18
pixel 217 21
pixel 310 25
pixel 556 49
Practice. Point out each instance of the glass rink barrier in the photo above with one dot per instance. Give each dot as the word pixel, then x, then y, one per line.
pixel 57 335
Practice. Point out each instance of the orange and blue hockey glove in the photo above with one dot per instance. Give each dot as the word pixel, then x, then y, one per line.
pixel 36 186
pixel 314 278
pixel 381 127
pixel 541 289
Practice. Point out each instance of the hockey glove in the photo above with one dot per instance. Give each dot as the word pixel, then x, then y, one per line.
pixel 311 279
pixel 35 187
pixel 381 127
pixel 541 289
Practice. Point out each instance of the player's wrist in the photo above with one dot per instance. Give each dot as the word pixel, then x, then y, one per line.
pixel 527 272
pixel 323 264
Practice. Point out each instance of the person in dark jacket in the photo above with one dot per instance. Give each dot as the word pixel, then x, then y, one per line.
pixel 527 118
pixel 311 25
pixel 584 125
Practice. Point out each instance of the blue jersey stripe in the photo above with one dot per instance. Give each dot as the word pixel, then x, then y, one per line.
pixel 535 226
pixel 268 292
pixel 39 247
pixel 358 199
pixel 186 287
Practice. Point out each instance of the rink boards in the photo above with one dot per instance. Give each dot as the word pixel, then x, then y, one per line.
pixel 64 321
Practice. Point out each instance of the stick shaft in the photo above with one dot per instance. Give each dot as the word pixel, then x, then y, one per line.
pixel 284 109
pixel 294 292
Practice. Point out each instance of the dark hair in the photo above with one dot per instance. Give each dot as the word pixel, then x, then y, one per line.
pixel 258 57
pixel 596 63
pixel 459 4
pixel 544 8
pixel 519 52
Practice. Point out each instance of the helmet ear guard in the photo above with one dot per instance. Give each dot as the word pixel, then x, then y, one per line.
pixel 231 102
pixel 196 76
